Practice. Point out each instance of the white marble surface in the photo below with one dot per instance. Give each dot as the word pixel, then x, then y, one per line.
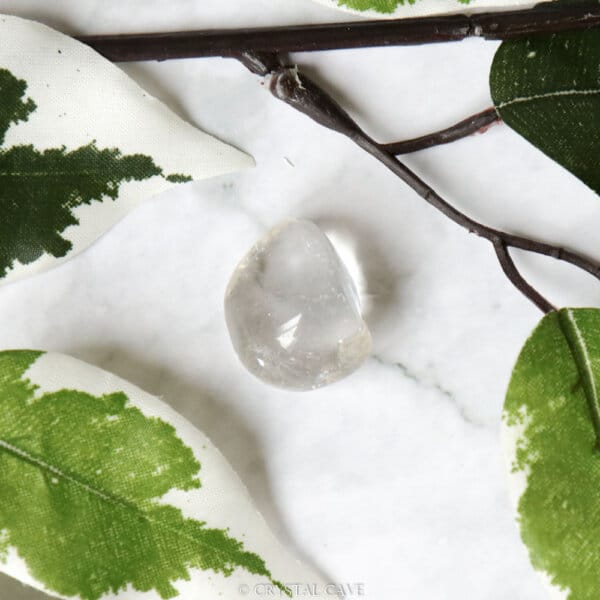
pixel 392 478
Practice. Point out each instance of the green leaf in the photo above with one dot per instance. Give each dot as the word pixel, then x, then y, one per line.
pixel 548 90
pixel 40 189
pixel 408 8
pixel 382 6
pixel 82 478
pixel 551 423
pixel 75 159
pixel 12 107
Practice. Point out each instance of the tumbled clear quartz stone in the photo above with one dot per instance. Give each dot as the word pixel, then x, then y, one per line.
pixel 293 311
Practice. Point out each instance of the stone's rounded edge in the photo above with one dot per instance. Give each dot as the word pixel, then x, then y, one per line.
pixel 276 365
pixel 362 341
pixel 358 345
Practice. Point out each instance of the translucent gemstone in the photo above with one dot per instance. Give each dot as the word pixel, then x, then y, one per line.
pixel 293 312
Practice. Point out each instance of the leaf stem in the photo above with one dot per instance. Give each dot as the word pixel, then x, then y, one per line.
pixel 476 123
pixel 545 18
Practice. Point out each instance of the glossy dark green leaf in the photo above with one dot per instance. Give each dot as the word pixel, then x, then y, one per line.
pixel 548 90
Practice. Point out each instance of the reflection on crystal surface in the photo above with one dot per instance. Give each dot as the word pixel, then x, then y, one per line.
pixel 293 312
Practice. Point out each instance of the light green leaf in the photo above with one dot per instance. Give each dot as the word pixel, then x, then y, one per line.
pixel 413 8
pixel 548 90
pixel 382 6
pixel 550 413
pixel 80 146
pixel 101 493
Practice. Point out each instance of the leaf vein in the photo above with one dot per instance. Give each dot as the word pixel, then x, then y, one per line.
pixel 581 354
pixel 106 496
pixel 533 97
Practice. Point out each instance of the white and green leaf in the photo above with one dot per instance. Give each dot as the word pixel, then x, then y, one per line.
pixel 394 9
pixel 551 425
pixel 81 144
pixel 106 492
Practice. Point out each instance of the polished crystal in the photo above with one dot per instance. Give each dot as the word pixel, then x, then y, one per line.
pixel 293 312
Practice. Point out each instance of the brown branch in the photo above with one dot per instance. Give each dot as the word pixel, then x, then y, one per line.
pixel 297 90
pixel 476 123
pixel 544 19
pixel 512 273
pixel 260 50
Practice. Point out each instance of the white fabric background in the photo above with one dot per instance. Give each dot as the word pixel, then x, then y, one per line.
pixel 394 477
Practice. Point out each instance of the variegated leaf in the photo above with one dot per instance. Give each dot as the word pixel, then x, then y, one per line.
pixel 106 492
pixel 81 144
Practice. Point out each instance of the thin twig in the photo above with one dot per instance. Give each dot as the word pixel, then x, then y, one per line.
pixel 476 123
pixel 543 19
pixel 255 49
pixel 292 87
pixel 511 271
